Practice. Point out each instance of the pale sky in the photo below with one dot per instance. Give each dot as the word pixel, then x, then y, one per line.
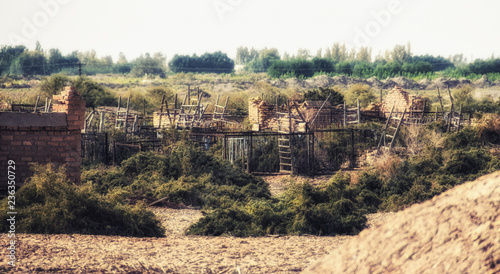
pixel 437 27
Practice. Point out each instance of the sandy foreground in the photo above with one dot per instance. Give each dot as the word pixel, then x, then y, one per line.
pixel 174 253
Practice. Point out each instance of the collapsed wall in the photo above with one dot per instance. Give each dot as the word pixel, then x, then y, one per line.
pixel 260 114
pixel 401 100
pixel 43 138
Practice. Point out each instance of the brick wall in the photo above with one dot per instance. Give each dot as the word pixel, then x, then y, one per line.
pixel 401 101
pixel 260 114
pixel 43 137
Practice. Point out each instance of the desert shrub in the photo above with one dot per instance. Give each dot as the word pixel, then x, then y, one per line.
pixel 392 203
pixel 466 137
pixel 265 156
pixel 49 203
pixel 363 93
pixel 336 98
pixel 488 128
pixel 54 84
pixel 438 126
pixel 420 191
pixel 93 93
pixel 301 209
pixel 370 200
pixel 464 98
pixel 186 175
pixel 232 221
pixel 467 161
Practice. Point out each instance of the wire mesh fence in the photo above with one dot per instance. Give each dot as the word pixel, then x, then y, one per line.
pixel 320 151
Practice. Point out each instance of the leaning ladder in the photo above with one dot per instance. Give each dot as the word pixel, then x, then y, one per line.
pixel 390 130
pixel 285 149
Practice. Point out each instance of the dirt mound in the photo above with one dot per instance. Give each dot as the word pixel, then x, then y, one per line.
pixel 321 81
pixel 455 232
pixel 482 82
pixel 405 83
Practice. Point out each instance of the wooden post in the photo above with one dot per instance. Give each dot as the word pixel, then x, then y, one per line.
pixel 440 102
pixel 161 110
pixel 36 104
pixel 345 115
pixel 126 114
pixel 224 148
pixel 101 122
pixel 118 113
pixel 452 110
pixel 352 149
pixel 459 118
pixel 359 113
pixel 249 154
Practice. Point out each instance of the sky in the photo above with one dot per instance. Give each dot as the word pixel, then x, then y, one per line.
pixel 436 27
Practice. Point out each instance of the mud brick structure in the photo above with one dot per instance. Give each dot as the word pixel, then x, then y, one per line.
pixel 260 114
pixel 52 137
pixel 401 100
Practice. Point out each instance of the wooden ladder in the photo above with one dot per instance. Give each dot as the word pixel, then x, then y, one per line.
pixel 191 110
pixel 220 111
pixel 122 115
pixel 285 148
pixel 390 130
pixel 354 118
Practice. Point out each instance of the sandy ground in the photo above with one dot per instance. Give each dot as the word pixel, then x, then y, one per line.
pixel 175 253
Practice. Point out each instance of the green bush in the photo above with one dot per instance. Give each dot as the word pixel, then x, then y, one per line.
pixel 93 93
pixel 466 137
pixel 301 209
pixel 185 175
pixel 466 162
pixel 49 203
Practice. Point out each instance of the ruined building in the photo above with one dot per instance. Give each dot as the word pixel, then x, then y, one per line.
pixel 48 137
pixel 401 100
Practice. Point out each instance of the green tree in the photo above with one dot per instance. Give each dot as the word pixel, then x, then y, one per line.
pixel 30 63
pixel 265 59
pixel 8 54
pixel 216 62
pixel 303 54
pixel 336 98
pixel 94 94
pixel 242 56
pixel 54 84
pixel 149 65
pixel 363 93
pixel 464 97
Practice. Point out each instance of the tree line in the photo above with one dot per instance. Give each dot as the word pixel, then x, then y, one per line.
pixel 19 60
pixel 338 60
pixel 335 60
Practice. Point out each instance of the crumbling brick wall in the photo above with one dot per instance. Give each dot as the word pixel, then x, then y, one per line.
pixel 260 114
pixel 43 137
pixel 401 100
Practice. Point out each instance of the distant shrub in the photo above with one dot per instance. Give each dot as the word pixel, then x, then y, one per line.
pixel 488 128
pixel 93 93
pixel 363 93
pixel 54 84
pixel 49 203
